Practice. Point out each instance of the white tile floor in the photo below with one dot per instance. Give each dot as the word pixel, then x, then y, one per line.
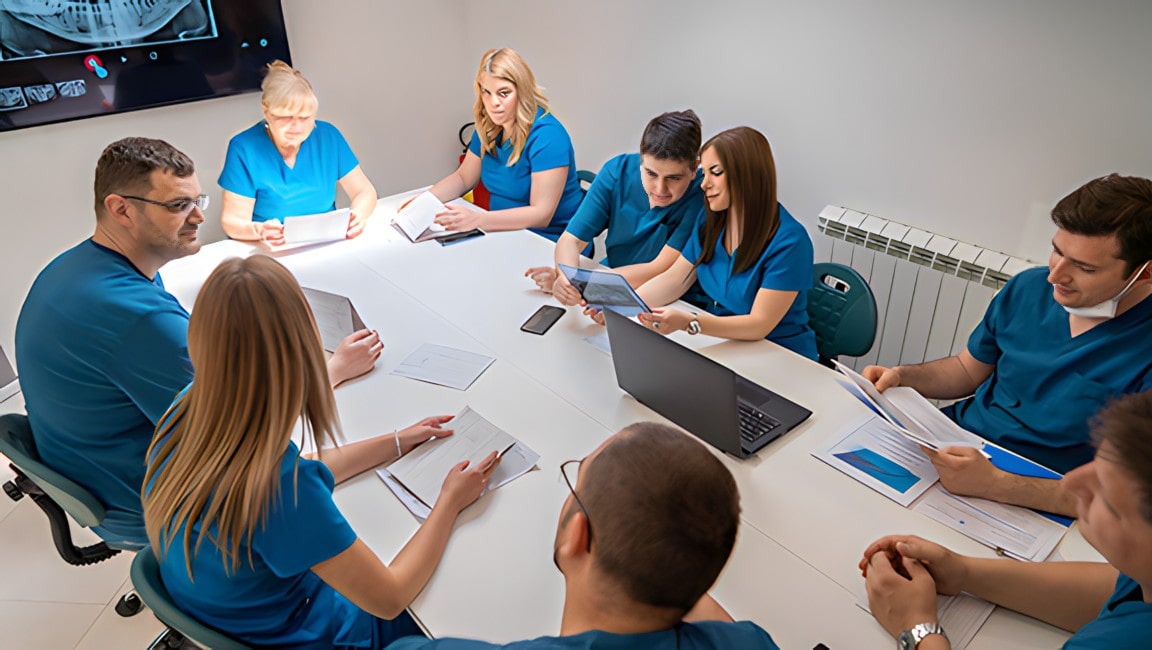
pixel 47 604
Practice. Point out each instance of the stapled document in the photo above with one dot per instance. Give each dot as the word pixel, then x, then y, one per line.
pixel 417 477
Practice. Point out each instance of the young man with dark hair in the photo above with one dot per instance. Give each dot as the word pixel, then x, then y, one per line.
pixel 1106 605
pixel 648 202
pixel 649 525
pixel 102 348
pixel 1054 346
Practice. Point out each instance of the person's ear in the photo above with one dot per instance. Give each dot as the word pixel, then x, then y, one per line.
pixel 574 536
pixel 117 208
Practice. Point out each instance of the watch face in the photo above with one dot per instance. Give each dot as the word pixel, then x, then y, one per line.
pixel 906 641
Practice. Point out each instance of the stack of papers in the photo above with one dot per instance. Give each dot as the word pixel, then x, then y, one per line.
pixel 417 477
pixel 961 615
pixel 883 452
pixel 316 228
pixel 417 220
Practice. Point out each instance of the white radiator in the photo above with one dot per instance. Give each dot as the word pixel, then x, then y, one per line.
pixel 931 291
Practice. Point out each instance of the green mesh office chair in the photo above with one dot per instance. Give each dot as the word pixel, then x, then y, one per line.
pixel 56 495
pixel 842 312
pixel 146 579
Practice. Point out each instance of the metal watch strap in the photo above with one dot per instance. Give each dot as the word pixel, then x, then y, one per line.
pixel 910 639
pixel 694 325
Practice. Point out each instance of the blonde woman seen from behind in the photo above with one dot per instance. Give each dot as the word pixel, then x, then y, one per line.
pixel 520 151
pixel 249 539
pixel 289 165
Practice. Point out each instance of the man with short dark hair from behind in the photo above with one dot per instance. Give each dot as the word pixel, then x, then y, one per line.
pixel 102 348
pixel 649 525
pixel 1054 346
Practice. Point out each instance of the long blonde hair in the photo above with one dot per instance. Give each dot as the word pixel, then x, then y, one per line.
pixel 506 63
pixel 215 459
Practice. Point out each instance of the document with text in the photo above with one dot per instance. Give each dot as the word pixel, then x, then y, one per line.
pixel 336 318
pixel 420 473
pixel 444 366
pixel 962 615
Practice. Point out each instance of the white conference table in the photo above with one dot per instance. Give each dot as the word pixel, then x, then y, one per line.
pixel 804 524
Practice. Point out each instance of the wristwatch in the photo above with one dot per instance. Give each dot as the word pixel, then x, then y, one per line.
pixel 694 324
pixel 910 639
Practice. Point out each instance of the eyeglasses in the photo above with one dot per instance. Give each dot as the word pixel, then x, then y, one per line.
pixel 178 206
pixel 573 466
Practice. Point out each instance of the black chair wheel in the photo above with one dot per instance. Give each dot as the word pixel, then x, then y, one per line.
pixel 129 605
pixel 13 492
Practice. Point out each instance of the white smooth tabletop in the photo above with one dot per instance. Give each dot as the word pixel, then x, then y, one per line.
pixel 804 524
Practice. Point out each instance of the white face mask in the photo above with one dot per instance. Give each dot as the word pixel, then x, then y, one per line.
pixel 1106 309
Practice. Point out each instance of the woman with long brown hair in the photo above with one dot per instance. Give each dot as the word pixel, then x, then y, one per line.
pixel 753 259
pixel 248 537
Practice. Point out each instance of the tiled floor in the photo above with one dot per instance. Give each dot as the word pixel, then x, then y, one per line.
pixel 47 604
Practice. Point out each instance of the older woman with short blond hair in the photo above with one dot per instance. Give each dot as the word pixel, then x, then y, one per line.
pixel 289 164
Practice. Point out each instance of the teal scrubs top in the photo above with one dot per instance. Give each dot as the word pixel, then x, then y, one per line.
pixel 548 147
pixel 277 601
pixel 707 635
pixel 1125 623
pixel 617 202
pixel 1047 385
pixel 785 265
pixel 102 351
pixel 254 168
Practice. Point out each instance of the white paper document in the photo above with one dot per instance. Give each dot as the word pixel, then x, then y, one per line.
pixel 884 460
pixel 8 384
pixel 1011 530
pixel 336 318
pixel 893 465
pixel 444 366
pixel 908 412
pixel 417 219
pixel 961 615
pixel 420 474
pixel 316 228
pixel 600 342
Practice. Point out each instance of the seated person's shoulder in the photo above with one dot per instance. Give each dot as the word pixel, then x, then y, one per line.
pixel 718 634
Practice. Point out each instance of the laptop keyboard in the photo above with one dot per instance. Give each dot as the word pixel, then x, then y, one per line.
pixel 755 424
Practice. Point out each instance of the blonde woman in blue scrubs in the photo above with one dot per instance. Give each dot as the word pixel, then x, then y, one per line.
pixel 519 150
pixel 752 258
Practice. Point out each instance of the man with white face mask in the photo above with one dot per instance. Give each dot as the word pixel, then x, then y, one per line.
pixel 1053 348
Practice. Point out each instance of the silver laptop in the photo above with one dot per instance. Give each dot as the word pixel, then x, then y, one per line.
pixel 703 397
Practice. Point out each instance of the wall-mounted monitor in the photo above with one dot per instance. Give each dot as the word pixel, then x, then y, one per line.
pixel 70 59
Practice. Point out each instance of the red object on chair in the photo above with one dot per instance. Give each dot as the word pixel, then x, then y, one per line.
pixel 481 197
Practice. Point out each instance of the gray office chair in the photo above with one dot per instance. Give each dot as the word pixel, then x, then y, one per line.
pixel 181 627
pixel 585 178
pixel 842 312
pixel 56 495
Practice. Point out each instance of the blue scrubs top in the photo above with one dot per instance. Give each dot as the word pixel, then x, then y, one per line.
pixel 548 147
pixel 102 350
pixel 785 265
pixel 1047 385
pixel 636 232
pixel 706 635
pixel 1125 623
pixel 255 169
pixel 277 601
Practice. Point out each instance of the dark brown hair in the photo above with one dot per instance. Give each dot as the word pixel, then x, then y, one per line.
pixel 672 136
pixel 1126 423
pixel 1112 205
pixel 746 160
pixel 663 512
pixel 126 167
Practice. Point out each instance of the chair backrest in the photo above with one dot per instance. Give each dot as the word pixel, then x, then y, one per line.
pixel 150 587
pixel 842 311
pixel 585 176
pixel 17 444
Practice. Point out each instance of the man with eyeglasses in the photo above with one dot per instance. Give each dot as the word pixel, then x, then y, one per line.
pixel 649 525
pixel 102 347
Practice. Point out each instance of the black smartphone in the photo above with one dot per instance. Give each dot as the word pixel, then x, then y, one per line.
pixel 543 319
pixel 456 237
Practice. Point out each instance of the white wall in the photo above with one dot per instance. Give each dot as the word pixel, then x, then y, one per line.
pixel 394 77
pixel 970 118
pixel 966 118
